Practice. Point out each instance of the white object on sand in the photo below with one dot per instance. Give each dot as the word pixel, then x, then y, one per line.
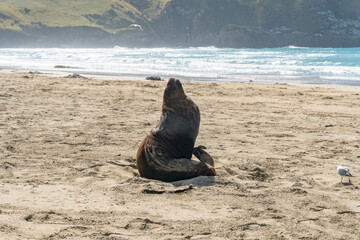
pixel 344 171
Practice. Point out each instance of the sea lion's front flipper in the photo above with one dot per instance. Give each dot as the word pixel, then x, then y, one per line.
pixel 203 156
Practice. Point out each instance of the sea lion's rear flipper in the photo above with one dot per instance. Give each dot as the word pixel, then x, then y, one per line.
pixel 203 156
pixel 176 169
pixel 191 168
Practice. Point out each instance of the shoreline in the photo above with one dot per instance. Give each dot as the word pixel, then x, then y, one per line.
pixel 245 79
pixel 295 66
pixel 68 147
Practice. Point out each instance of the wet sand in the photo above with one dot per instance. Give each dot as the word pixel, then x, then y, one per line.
pixel 67 161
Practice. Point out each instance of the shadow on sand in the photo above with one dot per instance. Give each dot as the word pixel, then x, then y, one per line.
pixel 200 181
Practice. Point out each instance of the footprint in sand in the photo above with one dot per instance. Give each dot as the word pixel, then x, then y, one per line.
pixel 47 217
pixel 143 224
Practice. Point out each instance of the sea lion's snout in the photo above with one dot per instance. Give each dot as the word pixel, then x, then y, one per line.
pixel 173 83
pixel 178 84
pixel 174 86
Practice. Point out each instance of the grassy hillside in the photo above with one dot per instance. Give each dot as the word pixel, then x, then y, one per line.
pixel 106 14
pixel 150 9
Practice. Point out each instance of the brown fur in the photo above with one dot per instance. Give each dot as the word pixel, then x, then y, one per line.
pixel 165 153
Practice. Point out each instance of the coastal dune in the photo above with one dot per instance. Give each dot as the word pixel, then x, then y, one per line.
pixel 68 171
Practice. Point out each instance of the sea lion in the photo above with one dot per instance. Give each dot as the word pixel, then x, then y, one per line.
pixel 165 153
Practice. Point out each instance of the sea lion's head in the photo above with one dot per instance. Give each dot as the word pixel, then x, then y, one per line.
pixel 174 90
pixel 175 100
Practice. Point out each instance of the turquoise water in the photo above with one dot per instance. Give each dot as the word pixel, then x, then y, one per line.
pixel 280 65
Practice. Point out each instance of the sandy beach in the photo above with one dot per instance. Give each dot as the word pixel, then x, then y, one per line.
pixel 67 161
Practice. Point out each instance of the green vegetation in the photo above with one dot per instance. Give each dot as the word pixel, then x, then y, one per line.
pixel 149 9
pixel 66 13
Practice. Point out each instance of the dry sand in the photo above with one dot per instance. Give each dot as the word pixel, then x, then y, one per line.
pixel 67 151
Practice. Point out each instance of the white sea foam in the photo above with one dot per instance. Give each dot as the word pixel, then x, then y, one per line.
pixel 292 46
pixel 291 64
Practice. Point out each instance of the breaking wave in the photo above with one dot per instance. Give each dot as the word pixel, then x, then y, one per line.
pixel 291 64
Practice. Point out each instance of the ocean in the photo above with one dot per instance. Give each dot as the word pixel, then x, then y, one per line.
pixel 340 66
